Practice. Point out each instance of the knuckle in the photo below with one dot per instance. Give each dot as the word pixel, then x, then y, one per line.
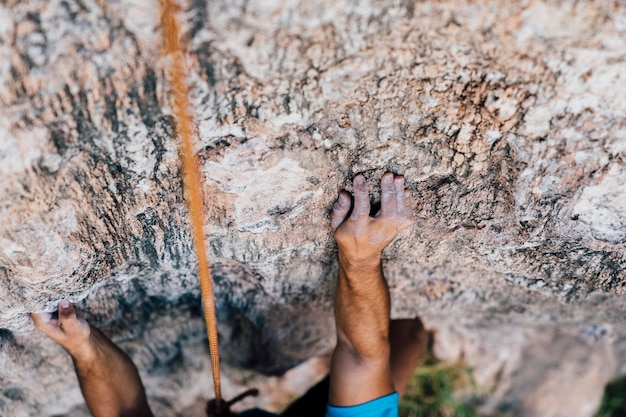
pixel 340 203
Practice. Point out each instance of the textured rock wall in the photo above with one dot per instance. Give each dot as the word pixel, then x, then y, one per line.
pixel 507 119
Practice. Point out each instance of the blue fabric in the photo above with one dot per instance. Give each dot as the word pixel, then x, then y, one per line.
pixel 386 406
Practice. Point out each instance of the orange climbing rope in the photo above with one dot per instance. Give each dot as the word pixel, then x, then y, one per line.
pixel 191 179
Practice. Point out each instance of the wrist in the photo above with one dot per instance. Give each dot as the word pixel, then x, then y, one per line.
pixel 85 352
pixel 83 355
pixel 351 265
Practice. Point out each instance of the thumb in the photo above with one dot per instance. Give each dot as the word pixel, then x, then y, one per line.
pixel 66 311
pixel 71 323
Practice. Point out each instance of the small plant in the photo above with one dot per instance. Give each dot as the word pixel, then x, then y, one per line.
pixel 431 392
pixel 433 389
pixel 614 400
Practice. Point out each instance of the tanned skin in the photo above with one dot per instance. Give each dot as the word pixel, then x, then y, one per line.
pixel 360 369
pixel 108 378
pixel 408 340
pixel 372 358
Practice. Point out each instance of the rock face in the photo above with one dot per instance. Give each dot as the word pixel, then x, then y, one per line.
pixel 506 118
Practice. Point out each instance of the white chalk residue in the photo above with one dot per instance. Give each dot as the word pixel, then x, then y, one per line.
pixel 37 249
pixel 263 192
pixel 603 206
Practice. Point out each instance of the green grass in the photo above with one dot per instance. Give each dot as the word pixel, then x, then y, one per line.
pixel 434 391
pixel 614 400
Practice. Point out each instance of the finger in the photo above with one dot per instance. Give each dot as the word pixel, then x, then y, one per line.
pixel 361 199
pixel 47 325
pixel 398 183
pixel 388 204
pixel 340 210
pixel 40 319
pixel 409 207
pixel 67 317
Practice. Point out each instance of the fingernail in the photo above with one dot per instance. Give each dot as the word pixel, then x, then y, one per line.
pixel 45 317
pixel 64 304
pixel 359 180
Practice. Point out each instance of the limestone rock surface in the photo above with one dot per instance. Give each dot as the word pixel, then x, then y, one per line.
pixel 505 117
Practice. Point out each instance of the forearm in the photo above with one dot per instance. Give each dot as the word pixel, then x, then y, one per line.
pixel 408 341
pixel 362 351
pixel 109 380
pixel 362 312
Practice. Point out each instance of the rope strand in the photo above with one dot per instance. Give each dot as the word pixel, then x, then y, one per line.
pixel 191 177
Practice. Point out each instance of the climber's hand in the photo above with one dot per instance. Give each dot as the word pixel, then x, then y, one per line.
pixel 107 377
pixel 69 330
pixel 362 238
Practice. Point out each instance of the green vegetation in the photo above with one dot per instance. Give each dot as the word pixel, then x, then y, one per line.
pixel 614 400
pixel 433 391
pixel 435 388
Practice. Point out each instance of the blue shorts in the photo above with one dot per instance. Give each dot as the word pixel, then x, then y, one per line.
pixel 386 406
